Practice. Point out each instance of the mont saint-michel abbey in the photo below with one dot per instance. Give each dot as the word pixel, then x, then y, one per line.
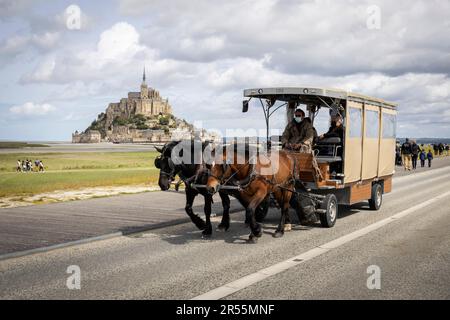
pixel 143 116
pixel 147 102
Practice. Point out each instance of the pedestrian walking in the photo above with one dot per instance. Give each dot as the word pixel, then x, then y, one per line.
pixel 406 154
pixel 436 149
pixel 430 157
pixel 441 149
pixel 41 166
pixel 422 157
pixel 415 150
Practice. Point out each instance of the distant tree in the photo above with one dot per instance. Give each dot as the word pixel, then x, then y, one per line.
pixel 118 121
pixel 164 120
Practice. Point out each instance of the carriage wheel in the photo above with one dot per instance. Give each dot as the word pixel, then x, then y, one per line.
pixel 377 197
pixel 330 205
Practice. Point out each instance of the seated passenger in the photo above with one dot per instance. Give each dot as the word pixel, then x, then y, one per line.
pixel 299 133
pixel 336 130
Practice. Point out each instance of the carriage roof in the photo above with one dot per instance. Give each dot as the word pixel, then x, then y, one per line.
pixel 313 95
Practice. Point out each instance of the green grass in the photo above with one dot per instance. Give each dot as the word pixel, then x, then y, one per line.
pixel 81 160
pixel 67 171
pixel 12 184
pixel 19 145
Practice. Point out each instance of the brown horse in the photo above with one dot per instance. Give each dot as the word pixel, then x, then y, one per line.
pixel 257 176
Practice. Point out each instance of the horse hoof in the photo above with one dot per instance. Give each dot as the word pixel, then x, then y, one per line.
pixel 222 227
pixel 258 232
pixel 287 227
pixel 278 234
pixel 247 225
pixel 252 239
pixel 206 235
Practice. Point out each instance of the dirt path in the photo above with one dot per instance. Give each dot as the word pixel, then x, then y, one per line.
pixel 68 195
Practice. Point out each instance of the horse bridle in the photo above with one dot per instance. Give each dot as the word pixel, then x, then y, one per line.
pixel 225 167
pixel 172 167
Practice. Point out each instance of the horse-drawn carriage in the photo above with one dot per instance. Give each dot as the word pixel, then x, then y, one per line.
pixel 357 168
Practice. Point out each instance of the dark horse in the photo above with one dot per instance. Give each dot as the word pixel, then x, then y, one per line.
pixel 271 173
pixel 192 173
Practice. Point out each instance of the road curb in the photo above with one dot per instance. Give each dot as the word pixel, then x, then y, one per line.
pixel 107 236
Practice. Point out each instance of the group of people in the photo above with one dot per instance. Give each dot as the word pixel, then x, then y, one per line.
pixel 410 152
pixel 29 166
pixel 440 148
pixel 300 133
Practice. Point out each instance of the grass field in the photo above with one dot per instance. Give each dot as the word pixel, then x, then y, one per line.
pixel 67 171
pixel 19 145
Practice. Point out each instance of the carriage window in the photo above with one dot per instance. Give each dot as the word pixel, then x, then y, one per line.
pixel 355 122
pixel 389 126
pixel 372 124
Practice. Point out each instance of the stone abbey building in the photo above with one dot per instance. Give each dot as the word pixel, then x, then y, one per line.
pixel 143 116
pixel 147 102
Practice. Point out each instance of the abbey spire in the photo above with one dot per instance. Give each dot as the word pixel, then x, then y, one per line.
pixel 143 76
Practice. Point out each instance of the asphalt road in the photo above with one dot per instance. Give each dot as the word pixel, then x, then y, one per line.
pixel 32 227
pixel 411 249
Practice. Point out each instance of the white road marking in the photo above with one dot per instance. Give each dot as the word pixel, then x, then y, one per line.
pixel 262 274
pixel 415 185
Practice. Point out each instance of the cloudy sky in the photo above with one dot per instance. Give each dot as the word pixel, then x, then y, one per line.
pixel 58 72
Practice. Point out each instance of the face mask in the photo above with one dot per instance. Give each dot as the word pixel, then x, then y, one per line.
pixel 298 119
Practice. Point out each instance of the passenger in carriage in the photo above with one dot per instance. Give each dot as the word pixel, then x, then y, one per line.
pixel 336 129
pixel 299 133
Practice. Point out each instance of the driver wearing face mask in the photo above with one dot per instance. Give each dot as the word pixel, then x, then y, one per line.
pixel 298 133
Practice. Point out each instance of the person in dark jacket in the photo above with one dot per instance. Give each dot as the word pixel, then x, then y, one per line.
pixel 441 148
pixel 299 132
pixel 436 149
pixel 422 157
pixel 430 157
pixel 336 130
pixel 415 150
pixel 406 154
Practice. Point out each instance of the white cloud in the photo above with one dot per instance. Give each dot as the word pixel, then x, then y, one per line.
pixel 117 51
pixel 43 72
pixel 323 36
pixel 118 45
pixel 46 40
pixel 10 8
pixel 31 108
